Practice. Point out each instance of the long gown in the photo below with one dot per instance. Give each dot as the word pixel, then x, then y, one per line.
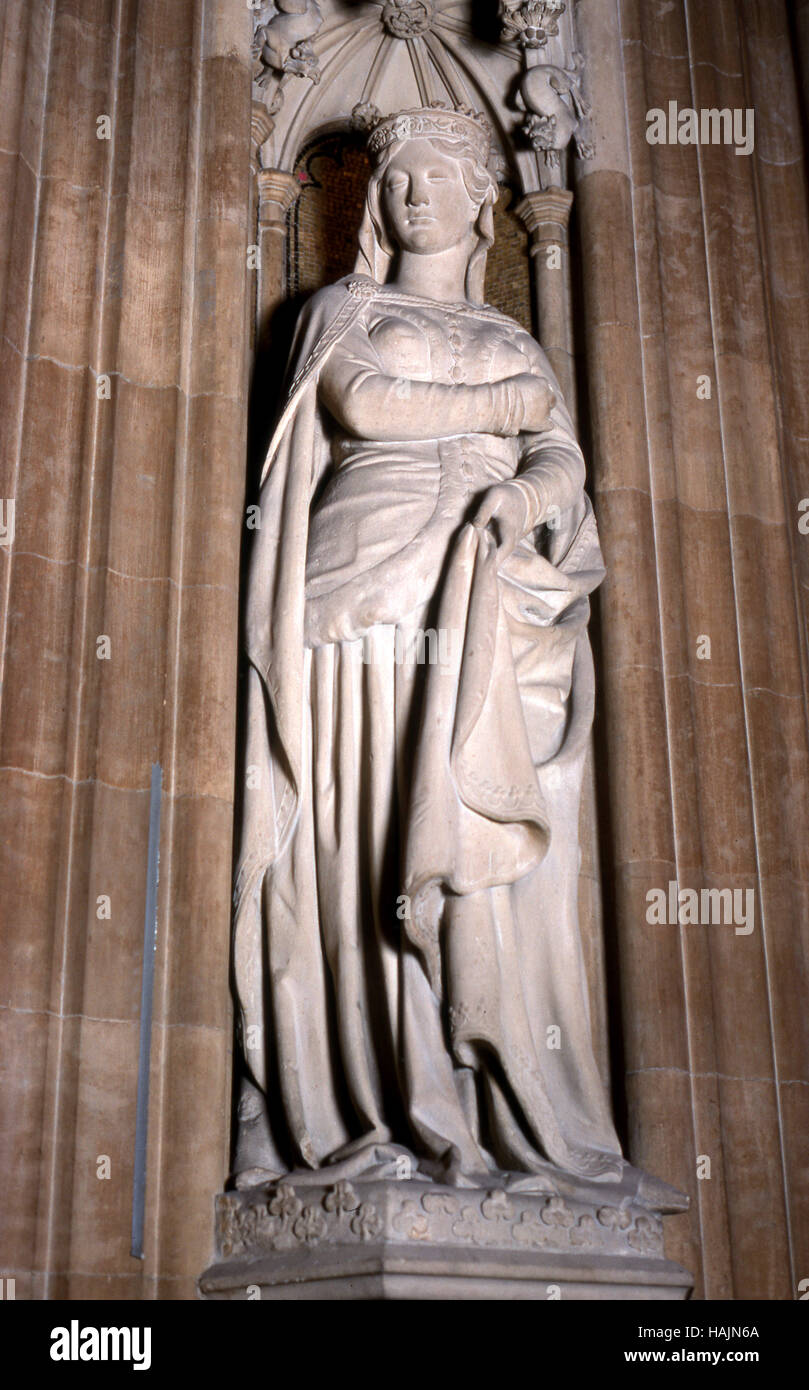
pixel 407 953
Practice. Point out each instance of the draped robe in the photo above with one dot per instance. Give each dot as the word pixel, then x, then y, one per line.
pixel 407 955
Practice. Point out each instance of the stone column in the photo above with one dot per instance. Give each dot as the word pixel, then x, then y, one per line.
pixel 778 625
pixel 546 215
pixel 277 192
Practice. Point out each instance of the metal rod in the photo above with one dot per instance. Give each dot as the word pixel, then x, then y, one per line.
pixel 146 1003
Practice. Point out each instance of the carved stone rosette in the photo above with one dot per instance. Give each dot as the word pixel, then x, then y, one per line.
pixel 407 19
pixel 531 22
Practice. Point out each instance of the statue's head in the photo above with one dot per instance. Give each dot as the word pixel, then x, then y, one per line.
pixel 431 189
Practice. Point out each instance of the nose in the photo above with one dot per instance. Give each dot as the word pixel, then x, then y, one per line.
pixel 417 192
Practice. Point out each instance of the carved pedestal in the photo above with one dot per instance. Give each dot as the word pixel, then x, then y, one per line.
pixel 417 1240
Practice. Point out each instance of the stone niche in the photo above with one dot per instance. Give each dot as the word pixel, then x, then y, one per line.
pixel 358 1233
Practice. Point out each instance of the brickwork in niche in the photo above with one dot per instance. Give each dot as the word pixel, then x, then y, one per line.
pixel 323 228
pixel 508 269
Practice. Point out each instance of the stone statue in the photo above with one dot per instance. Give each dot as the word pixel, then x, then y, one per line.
pixel 411 987
pixel 557 110
pixel 283 43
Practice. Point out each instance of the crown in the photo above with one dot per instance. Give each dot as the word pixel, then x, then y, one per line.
pixel 437 121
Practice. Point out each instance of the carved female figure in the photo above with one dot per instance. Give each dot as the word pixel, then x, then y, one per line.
pixel 407 956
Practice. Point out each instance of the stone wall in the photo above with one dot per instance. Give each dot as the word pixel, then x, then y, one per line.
pixel 693 265
pixel 123 295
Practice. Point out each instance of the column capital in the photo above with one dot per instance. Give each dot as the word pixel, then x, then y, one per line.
pixel 277 191
pixel 549 207
pixel 262 125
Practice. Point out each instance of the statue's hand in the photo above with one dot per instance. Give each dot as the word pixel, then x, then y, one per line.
pixel 503 510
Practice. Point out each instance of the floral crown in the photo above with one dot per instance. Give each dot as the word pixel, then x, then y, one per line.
pixel 437 121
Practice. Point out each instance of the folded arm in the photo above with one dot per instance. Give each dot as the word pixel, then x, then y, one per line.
pixel 371 405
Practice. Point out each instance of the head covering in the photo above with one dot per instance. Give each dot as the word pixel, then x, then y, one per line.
pixel 469 135
pixel 468 128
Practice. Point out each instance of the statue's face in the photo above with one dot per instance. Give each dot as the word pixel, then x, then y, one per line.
pixel 424 200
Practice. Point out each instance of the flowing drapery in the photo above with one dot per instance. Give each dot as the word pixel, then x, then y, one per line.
pixel 407 955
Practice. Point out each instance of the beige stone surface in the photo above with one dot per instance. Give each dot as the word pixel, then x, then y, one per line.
pixel 712 260
pixel 115 258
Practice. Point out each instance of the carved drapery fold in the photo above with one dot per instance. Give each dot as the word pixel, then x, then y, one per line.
pixel 408 54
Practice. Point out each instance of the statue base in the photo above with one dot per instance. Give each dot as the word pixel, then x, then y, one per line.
pixel 382 1240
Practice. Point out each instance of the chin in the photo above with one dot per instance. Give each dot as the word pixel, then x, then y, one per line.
pixel 423 243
